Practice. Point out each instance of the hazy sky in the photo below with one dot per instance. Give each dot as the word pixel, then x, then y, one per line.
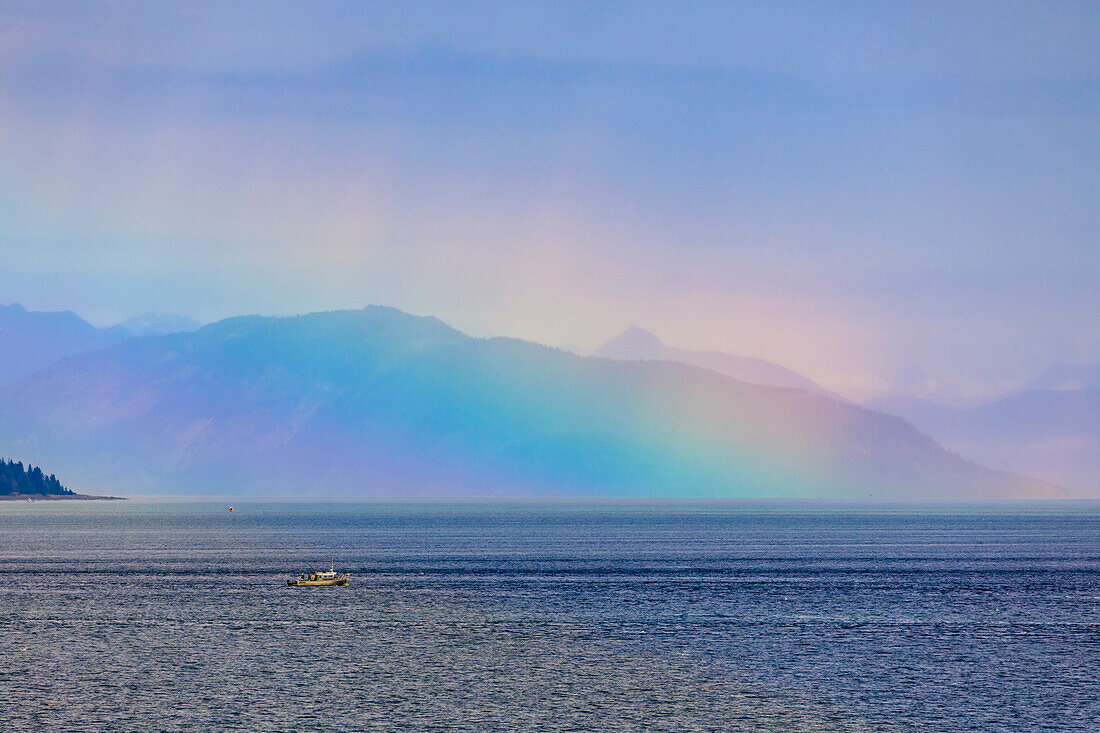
pixel 885 197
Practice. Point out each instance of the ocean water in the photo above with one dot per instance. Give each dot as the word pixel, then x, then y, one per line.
pixel 581 616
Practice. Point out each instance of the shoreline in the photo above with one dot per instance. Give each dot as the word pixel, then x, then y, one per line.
pixel 59 497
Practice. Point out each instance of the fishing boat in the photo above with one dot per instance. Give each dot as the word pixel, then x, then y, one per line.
pixel 328 577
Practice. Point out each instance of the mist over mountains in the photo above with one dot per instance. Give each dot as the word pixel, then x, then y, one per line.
pixel 1049 428
pixel 159 323
pixel 1062 378
pixel 380 403
pixel 1053 433
pixel 637 344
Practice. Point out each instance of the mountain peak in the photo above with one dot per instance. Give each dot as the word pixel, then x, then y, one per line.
pixel 637 344
pixel 633 343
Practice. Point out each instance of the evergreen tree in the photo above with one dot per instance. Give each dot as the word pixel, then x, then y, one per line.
pixel 15 479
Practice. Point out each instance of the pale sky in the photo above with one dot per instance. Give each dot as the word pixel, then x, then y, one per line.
pixel 885 197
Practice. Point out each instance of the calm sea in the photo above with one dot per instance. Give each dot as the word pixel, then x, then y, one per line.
pixel 597 616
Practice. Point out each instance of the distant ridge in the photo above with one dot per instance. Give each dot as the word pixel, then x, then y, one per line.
pixel 31 340
pixel 638 344
pixel 1054 433
pixel 377 402
pixel 1062 378
pixel 159 324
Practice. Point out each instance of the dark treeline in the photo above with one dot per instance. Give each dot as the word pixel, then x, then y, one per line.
pixel 15 479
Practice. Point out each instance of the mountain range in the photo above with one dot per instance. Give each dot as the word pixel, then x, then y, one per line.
pixel 377 402
pixel 637 344
pixel 1053 433
pixel 31 340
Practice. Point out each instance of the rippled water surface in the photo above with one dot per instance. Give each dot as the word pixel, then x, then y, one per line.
pixel 704 616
